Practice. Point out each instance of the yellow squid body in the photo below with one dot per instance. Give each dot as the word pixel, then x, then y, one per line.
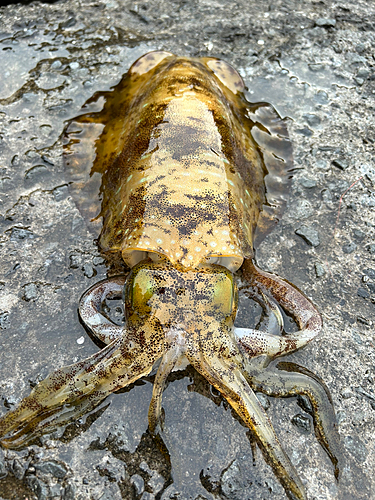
pixel 190 177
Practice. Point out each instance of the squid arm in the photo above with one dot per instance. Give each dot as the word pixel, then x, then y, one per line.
pixel 256 343
pixel 71 391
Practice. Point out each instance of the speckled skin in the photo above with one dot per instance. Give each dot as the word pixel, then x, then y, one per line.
pixel 189 183
pixel 192 175
pixel 183 180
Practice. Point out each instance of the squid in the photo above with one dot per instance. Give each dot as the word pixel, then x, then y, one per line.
pixel 192 177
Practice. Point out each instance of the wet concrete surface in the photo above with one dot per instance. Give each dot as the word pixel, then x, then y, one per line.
pixel 315 62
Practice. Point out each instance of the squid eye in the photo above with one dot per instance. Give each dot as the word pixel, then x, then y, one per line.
pixel 224 293
pixel 140 290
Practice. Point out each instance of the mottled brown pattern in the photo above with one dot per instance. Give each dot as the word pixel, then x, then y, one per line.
pixel 191 176
pixel 181 129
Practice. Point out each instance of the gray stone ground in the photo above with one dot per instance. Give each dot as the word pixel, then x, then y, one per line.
pixel 314 60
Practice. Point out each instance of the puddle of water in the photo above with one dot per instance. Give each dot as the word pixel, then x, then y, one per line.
pixel 297 87
pixel 321 74
pixel 291 97
pixel 21 53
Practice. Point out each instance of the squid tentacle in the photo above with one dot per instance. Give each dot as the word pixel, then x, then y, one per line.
pixel 166 366
pixel 174 352
pixel 230 380
pixel 308 319
pixel 274 323
pixel 288 379
pixel 90 309
pixel 257 343
pixel 72 391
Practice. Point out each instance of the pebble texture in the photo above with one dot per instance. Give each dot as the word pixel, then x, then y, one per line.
pixel 316 64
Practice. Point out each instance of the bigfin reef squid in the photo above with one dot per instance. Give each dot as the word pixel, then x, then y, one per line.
pixel 191 177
